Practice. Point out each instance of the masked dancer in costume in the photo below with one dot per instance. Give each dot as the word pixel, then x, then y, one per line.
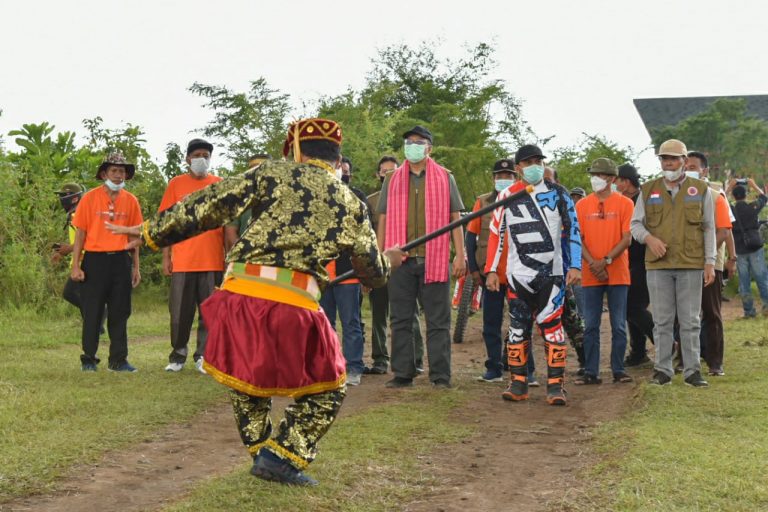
pixel 267 334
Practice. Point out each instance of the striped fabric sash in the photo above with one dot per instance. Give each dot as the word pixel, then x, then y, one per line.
pixel 273 283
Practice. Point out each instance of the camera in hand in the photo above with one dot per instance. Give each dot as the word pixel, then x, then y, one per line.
pixel 741 181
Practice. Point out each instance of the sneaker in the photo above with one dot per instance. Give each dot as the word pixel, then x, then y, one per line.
pixel 199 366
pixel 517 389
pixel 634 360
pixel 88 367
pixel 442 384
pixel 533 382
pixel 716 372
pixel 695 379
pixel 580 372
pixel 353 379
pixel 490 376
pixel 399 382
pixel 272 468
pixel 419 367
pixel 174 367
pixel 661 379
pixel 374 370
pixel 125 366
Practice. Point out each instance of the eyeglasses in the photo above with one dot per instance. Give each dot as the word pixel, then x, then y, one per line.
pixel 417 142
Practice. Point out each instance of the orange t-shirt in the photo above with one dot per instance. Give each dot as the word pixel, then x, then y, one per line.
pixel 602 226
pixel 201 253
pixel 722 212
pixel 95 208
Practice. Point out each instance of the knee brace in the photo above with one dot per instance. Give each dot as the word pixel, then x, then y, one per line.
pixel 517 354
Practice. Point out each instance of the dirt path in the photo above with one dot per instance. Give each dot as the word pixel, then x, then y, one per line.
pixel 524 454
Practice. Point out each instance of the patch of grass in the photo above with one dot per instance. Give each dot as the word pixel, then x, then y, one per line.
pixel 53 416
pixel 692 449
pixel 367 462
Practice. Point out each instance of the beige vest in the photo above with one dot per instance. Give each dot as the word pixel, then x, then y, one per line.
pixel 677 222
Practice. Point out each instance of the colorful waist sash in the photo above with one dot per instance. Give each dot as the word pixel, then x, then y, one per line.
pixel 273 283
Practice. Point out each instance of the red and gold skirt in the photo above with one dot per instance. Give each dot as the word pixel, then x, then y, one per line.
pixel 264 348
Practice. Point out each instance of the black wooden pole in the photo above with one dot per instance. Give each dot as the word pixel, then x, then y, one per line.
pixel 448 227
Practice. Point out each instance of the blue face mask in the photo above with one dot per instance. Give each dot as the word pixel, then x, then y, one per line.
pixel 693 174
pixel 114 187
pixel 533 173
pixel 503 184
pixel 415 153
pixel 613 187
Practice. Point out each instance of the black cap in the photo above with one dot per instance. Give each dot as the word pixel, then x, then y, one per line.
pixel 420 131
pixel 503 165
pixel 528 151
pixel 578 191
pixel 627 170
pixel 197 144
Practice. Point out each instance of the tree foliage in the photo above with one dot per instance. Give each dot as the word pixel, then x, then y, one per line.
pixel 475 120
pixel 731 139
pixel 248 122
pixel 572 162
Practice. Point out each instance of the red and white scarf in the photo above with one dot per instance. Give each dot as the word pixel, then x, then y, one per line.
pixel 437 205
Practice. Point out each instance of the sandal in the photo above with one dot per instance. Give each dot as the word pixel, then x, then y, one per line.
pixel 587 379
pixel 621 378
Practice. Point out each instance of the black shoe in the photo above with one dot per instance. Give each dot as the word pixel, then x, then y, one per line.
pixel 270 467
pixel 661 379
pixel 419 367
pixel 441 384
pixel 636 360
pixel 399 382
pixel 696 380
pixel 374 370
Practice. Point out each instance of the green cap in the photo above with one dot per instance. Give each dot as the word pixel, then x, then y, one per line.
pixel 603 166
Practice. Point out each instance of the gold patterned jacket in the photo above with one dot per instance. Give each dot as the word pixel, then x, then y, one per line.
pixel 303 218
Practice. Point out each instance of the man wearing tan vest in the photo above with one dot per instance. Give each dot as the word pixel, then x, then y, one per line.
pixel 674 218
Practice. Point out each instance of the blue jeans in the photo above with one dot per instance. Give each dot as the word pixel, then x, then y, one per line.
pixel 752 266
pixel 346 299
pixel 593 310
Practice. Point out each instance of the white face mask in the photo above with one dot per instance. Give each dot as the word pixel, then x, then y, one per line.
pixel 673 176
pixel 200 166
pixel 693 174
pixel 114 187
pixel 597 183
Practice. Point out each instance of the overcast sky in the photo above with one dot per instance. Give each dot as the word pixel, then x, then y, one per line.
pixel 576 65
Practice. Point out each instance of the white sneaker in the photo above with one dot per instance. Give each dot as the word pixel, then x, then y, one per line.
pixel 174 367
pixel 199 366
pixel 353 379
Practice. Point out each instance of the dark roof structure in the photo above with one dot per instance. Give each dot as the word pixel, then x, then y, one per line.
pixel 658 112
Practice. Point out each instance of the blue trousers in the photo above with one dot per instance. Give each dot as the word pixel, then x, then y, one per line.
pixel 593 310
pixel 345 298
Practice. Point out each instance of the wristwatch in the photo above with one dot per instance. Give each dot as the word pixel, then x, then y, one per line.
pixel 608 260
